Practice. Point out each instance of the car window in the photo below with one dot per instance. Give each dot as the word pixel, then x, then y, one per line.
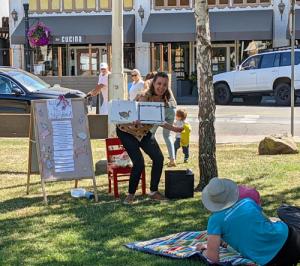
pixel 267 61
pixel 297 58
pixel 251 63
pixel 5 85
pixel 277 60
pixel 285 59
pixel 29 81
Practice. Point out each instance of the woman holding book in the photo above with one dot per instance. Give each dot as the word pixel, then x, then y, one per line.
pixel 137 136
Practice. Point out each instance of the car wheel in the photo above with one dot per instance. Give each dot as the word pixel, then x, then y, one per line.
pixel 222 94
pixel 282 94
pixel 252 100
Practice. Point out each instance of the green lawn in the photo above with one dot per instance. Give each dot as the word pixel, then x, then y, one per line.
pixel 80 232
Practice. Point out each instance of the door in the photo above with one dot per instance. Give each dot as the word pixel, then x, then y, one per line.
pixel 12 101
pixel 268 71
pixel 245 77
pixel 219 60
pixel 83 62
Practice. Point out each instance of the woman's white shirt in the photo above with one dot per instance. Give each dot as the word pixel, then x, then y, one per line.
pixel 136 88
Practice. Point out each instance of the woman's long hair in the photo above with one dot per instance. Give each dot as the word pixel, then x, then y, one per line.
pixel 151 91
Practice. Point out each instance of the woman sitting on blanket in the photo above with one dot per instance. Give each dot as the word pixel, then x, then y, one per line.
pixel 138 136
pixel 243 225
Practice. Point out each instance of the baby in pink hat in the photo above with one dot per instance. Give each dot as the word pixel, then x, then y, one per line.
pixel 249 192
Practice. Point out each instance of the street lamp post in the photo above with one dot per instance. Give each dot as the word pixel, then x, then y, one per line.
pixel 293 33
pixel 117 78
pixel 26 45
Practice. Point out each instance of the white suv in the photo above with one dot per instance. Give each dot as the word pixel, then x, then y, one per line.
pixel 266 73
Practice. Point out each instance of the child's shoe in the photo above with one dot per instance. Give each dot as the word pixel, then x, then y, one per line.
pixel 186 160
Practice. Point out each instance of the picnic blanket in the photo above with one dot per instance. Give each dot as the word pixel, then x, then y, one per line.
pixel 183 245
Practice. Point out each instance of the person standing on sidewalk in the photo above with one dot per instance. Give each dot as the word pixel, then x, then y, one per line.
pixel 137 85
pixel 102 87
pixel 136 136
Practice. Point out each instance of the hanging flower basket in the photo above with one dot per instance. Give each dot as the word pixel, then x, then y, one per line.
pixel 39 35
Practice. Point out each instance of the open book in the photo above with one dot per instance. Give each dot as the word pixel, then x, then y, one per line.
pixel 122 112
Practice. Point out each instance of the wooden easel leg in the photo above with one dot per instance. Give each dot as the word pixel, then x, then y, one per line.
pixel 44 192
pixel 76 183
pixel 95 189
pixel 28 182
pixel 29 151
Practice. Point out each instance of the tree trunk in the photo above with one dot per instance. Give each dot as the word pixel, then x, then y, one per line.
pixel 207 138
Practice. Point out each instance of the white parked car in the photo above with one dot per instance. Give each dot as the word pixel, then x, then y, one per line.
pixel 267 73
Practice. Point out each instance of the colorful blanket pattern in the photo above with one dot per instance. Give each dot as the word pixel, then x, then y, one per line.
pixel 182 245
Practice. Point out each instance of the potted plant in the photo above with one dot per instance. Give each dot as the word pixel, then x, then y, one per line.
pixel 39 35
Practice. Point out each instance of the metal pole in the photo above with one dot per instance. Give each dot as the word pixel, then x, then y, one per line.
pixel 117 80
pixel 26 45
pixel 293 67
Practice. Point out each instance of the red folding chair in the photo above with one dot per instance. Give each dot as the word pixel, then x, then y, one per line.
pixel 115 147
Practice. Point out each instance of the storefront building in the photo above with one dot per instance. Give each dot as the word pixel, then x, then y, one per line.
pixel 4 42
pixel 81 33
pixel 158 34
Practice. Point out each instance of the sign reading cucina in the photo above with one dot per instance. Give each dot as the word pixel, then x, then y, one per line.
pixel 69 39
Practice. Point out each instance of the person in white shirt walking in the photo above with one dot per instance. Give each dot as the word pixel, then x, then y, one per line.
pixel 102 87
pixel 137 85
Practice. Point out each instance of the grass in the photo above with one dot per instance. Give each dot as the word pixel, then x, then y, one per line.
pixel 80 232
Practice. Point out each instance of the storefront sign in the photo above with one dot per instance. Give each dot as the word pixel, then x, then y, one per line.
pixel 67 39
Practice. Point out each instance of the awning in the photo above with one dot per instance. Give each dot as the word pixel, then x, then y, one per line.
pixel 79 29
pixel 224 26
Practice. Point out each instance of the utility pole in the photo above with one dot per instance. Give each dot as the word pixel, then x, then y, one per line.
pixel 293 37
pixel 117 78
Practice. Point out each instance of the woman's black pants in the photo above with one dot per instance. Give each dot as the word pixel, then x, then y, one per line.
pixel 150 146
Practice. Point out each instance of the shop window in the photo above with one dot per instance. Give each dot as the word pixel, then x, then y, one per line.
pixel 184 2
pixel 159 3
pixel 171 2
pixel 218 60
pixel 129 56
pixel 55 4
pixel 211 2
pixel 224 2
pixel 105 4
pixel 91 4
pixel 67 5
pixel 46 61
pixel 251 1
pixel 128 4
pixel 165 57
pixel 33 5
pixel 180 60
pixel 44 5
pixel 79 4
pixel 233 60
pixel 237 2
